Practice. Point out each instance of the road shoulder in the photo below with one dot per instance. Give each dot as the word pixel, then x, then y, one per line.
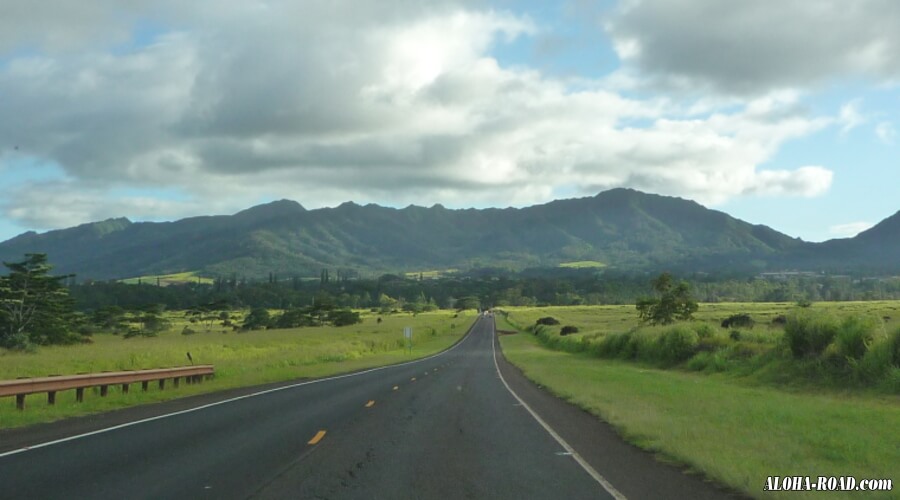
pixel 636 473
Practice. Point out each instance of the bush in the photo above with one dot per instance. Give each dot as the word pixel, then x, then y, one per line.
pixel 781 319
pixel 704 331
pixel 808 334
pixel 708 362
pixel 735 335
pixel 612 344
pixel 568 329
pixel 344 317
pixel 188 331
pixel 677 344
pixel 549 321
pixel 742 320
pixel 856 334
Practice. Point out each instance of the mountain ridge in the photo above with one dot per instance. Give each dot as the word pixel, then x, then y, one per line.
pixel 623 228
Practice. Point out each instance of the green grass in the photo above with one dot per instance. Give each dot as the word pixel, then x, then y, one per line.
pixel 757 353
pixel 169 279
pixel 240 358
pixel 583 264
pixel 734 433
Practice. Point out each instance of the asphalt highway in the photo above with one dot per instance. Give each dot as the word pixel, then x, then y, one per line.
pixel 461 424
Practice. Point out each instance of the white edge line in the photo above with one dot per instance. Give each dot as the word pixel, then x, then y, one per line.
pixel 231 400
pixel 562 442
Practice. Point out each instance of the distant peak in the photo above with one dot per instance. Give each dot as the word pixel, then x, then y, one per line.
pixel 279 207
pixel 274 209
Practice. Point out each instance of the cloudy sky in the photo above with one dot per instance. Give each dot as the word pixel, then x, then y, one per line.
pixel 782 113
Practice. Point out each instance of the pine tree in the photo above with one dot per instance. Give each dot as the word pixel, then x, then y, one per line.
pixel 34 306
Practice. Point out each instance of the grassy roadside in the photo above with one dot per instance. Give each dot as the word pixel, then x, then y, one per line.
pixel 241 359
pixel 733 433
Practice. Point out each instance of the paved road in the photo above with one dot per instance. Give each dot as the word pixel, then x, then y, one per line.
pixel 445 427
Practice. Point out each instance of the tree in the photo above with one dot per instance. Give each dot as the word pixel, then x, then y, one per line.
pixel 469 302
pixel 344 317
pixel 257 319
pixel 34 306
pixel 672 301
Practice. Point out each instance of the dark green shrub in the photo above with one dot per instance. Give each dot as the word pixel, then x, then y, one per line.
pixel 742 320
pixel 188 331
pixel 735 335
pixel 548 320
pixel 568 329
pixel 257 319
pixel 808 334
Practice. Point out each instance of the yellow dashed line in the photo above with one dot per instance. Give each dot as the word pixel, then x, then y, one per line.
pixel 412 379
pixel 396 387
pixel 370 404
pixel 318 437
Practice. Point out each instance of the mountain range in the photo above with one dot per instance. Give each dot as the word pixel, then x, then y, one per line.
pixel 622 228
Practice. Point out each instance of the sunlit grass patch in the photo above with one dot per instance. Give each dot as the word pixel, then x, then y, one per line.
pixel 169 279
pixel 583 264
pixel 240 358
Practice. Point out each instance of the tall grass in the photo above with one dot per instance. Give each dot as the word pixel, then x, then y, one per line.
pixel 833 345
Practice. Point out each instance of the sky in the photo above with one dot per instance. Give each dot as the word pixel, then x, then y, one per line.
pixel 783 113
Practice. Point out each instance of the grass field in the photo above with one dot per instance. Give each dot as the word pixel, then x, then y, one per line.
pixel 734 432
pixel 240 358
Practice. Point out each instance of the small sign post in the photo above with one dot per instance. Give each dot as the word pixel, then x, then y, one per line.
pixel 407 334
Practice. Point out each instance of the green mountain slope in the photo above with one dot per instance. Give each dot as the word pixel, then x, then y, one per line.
pixel 622 228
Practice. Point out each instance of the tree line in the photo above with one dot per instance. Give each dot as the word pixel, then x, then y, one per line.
pixel 38 308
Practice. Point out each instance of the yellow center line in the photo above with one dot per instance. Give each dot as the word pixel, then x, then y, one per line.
pixel 396 387
pixel 370 404
pixel 318 437
pixel 412 379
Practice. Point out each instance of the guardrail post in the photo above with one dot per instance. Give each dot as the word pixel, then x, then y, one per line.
pixel 162 383
pixel 104 390
pixel 79 394
pixel 145 385
pixel 51 397
pixel 175 382
pixel 124 388
pixel 20 401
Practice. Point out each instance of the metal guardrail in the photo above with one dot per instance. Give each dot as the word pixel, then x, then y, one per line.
pixel 53 384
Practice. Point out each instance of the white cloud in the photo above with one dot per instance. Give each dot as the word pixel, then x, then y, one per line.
pixel 849 229
pixel 850 116
pixel 886 132
pixel 755 47
pixel 388 102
